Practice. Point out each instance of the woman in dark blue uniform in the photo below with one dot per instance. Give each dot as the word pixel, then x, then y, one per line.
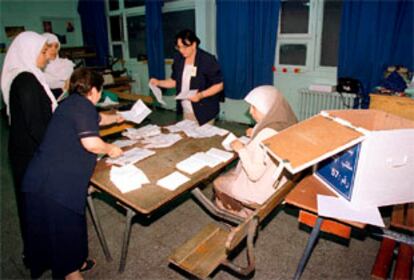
pixel 56 181
pixel 194 68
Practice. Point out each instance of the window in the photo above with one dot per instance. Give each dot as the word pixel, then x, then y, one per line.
pixel 173 22
pixel 131 42
pixel 301 22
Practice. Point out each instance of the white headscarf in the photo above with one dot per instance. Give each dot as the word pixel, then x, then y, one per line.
pixel 276 110
pixel 57 71
pixel 22 57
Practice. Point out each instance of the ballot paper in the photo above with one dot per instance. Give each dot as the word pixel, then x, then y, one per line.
pixel 124 143
pixel 128 177
pixel 157 93
pixel 222 155
pixel 335 207
pixel 137 113
pixel 173 181
pixel 142 132
pixel 205 131
pixel 191 165
pixel 131 156
pixel 230 138
pixel 107 102
pixel 182 125
pixel 186 94
pixel 209 160
pixel 161 141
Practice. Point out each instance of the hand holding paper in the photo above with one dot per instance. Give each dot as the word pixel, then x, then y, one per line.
pixel 157 93
pixel 137 113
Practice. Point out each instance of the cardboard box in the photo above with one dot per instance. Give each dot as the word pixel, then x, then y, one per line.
pixel 364 156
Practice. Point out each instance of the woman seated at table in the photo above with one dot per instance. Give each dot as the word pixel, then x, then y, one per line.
pixel 252 180
pixel 56 182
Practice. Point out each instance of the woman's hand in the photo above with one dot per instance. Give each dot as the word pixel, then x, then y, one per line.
pixel 236 145
pixel 196 97
pixel 114 151
pixel 154 82
pixel 249 132
pixel 118 118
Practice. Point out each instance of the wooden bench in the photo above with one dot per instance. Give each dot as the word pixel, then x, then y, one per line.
pixel 211 247
pixel 402 219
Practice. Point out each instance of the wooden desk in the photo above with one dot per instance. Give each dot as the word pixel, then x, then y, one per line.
pixel 304 196
pixel 151 197
pixel 399 106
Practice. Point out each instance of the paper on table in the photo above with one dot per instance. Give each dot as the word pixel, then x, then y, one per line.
pixel 131 156
pixel 157 93
pixel 338 208
pixel 186 94
pixel 137 113
pixel 223 155
pixel 191 165
pixel 128 178
pixel 173 181
pixel 209 160
pixel 124 143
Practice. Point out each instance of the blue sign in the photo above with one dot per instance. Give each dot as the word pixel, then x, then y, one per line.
pixel 339 171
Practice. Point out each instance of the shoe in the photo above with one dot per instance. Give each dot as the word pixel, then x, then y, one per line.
pixel 88 265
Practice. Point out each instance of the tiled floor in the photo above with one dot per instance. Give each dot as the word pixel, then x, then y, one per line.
pixel 279 245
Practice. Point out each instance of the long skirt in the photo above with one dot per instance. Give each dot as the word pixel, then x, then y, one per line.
pixel 56 237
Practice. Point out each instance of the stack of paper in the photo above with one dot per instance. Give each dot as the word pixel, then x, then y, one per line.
pixel 209 160
pixel 161 141
pixel 142 132
pixel 128 178
pixel 182 125
pixel 137 113
pixel 157 93
pixel 197 161
pixel 191 165
pixel 173 181
pixel 124 143
pixel 205 131
pixel 131 156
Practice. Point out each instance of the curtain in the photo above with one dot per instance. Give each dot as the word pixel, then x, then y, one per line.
pixel 155 39
pixel 246 43
pixel 94 30
pixel 374 35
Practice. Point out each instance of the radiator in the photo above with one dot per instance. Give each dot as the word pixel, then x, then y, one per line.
pixel 312 102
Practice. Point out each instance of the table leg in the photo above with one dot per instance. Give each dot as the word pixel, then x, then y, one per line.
pixel 308 249
pixel 98 228
pixel 130 214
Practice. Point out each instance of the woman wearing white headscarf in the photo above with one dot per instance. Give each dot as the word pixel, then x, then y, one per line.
pixel 29 101
pixel 58 70
pixel 251 182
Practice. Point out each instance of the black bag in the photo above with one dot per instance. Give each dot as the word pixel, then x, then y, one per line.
pixel 348 85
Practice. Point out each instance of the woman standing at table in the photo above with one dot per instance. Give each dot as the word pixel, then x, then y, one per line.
pixel 56 182
pixel 29 104
pixel 252 180
pixel 194 68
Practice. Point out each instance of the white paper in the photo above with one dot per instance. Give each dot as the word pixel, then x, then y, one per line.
pixel 186 94
pixel 131 156
pixel 223 155
pixel 124 143
pixel 107 102
pixel 128 178
pixel 157 93
pixel 209 160
pixel 173 181
pixel 191 165
pixel 142 132
pixel 137 113
pixel 334 207
pixel 182 125
pixel 229 139
pixel 161 141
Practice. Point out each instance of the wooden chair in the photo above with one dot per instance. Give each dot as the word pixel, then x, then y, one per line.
pixel 211 247
pixel 402 219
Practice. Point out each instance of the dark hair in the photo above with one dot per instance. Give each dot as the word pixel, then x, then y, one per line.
pixel 83 80
pixel 188 37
